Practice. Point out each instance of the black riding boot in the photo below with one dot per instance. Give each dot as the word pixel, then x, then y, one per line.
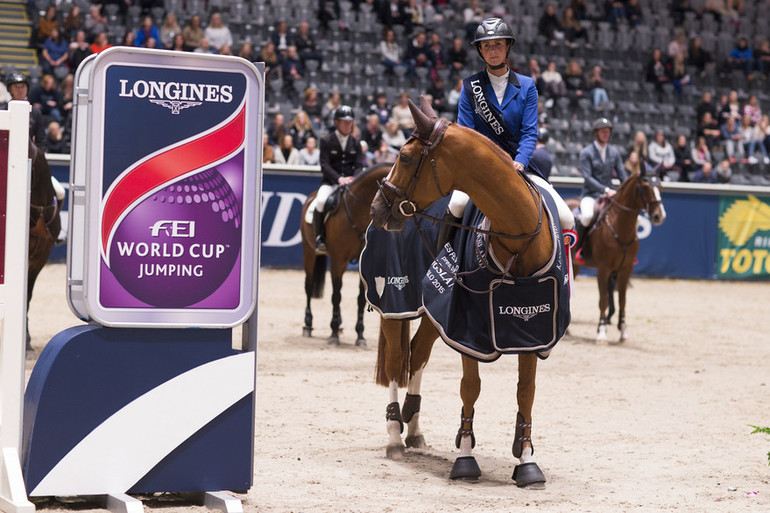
pixel 582 232
pixel 320 232
pixel 446 232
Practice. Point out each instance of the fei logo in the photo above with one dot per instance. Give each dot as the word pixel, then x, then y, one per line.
pixel 173 228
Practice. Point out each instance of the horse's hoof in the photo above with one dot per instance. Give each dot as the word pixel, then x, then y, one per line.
pixel 528 475
pixel 361 343
pixel 307 332
pixel 465 469
pixel 395 452
pixel 415 442
pixel 334 341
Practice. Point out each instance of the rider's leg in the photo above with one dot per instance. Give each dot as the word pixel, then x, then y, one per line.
pixel 566 218
pixel 454 213
pixel 318 218
pixel 586 214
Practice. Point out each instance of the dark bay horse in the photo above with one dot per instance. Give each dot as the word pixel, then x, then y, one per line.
pixel 613 242
pixel 44 219
pixel 345 229
pixel 440 157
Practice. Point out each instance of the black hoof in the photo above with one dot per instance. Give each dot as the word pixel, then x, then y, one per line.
pixel 307 332
pixel 334 341
pixel 361 343
pixel 529 475
pixel 466 469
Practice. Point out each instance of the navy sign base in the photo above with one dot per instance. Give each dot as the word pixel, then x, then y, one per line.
pixel 110 411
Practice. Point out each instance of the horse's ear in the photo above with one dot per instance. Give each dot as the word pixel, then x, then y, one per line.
pixel 427 108
pixel 423 124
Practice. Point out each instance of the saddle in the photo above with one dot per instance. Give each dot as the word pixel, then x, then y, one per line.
pixel 333 202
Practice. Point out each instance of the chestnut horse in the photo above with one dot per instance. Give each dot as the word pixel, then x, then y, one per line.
pixel 44 220
pixel 440 157
pixel 345 229
pixel 613 242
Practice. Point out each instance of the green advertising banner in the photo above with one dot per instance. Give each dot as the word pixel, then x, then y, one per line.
pixel 743 242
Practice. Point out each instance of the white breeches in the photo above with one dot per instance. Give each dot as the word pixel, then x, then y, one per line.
pixel 323 194
pixel 587 210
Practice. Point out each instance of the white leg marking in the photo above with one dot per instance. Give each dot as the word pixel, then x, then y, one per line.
pixel 526 455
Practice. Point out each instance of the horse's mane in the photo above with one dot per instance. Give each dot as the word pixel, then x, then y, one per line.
pixel 490 143
pixel 364 175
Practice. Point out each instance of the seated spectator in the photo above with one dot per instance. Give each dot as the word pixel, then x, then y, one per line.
pixel 402 115
pixel 536 75
pixel 309 155
pixel 762 58
pixel 276 130
pixel 575 81
pixel 599 95
pixel 390 50
pixel 79 49
pixel 193 34
pixel 438 96
pixel 393 12
pixel 393 135
pixel 473 15
pixel 417 53
pixel 46 97
pixel 679 76
pixel 146 31
pixel 282 38
pixel 95 22
pixel 732 140
pixel 177 44
pixel 291 71
pixel 46 23
pixel 372 132
pixel 269 56
pixel 548 25
pixel 633 163
pixel 764 128
pixel 580 8
pixel 633 13
pixel 457 57
pixel 301 129
pixel 706 104
pixel 705 174
pixel 662 155
pixel 615 12
pixel 741 57
pixel 678 45
pixel 553 83
pixel 217 33
pixel 55 54
pixel 268 154
pixel 169 29
pixel 286 153
pixel 708 128
pixel 384 153
pixel 752 109
pixel 313 107
pixel 732 108
pixel 246 51
pixel 306 46
pixel 753 139
pixel 573 30
pixel 700 153
pixel 683 157
pixel 657 69
pixel 204 47
pixel 56 141
pixel 328 11
pixel 723 171
pixel 639 146
pixel 382 108
pixel 67 102
pixel 436 54
pixel 700 58
pixel 453 98
pixel 73 22
pixel 101 42
pixel 333 103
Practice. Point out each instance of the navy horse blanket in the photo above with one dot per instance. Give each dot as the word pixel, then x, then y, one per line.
pixel 489 313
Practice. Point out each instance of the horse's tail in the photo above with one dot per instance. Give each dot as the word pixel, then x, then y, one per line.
pixel 612 282
pixel 380 377
pixel 319 276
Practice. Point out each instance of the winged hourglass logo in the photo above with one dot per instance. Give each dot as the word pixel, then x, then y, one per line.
pixel 175 105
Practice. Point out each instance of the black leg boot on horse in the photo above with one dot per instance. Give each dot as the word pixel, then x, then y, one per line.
pixel 319 227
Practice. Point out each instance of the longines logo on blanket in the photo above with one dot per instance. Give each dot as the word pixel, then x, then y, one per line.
pixel 397 281
pixel 176 95
pixel 524 312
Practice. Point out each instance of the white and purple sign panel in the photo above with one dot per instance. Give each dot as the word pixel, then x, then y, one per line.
pixel 172 189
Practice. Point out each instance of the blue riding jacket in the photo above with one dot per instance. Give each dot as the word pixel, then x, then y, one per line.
pixel 519 113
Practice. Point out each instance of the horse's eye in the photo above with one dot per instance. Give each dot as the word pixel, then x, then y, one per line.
pixel 403 157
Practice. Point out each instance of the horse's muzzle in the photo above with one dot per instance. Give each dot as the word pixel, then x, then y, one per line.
pixel 386 215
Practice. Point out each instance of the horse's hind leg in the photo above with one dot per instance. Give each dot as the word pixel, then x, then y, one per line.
pixel 334 340
pixel 465 466
pixel 526 474
pixel 392 372
pixel 360 340
pixel 421 346
pixel 602 278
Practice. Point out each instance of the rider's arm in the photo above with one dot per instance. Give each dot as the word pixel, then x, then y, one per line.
pixel 528 129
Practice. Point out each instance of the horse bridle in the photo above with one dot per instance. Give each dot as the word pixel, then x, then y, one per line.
pixel 42 209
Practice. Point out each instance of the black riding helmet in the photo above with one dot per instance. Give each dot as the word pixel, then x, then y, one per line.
pixel 16 78
pixel 493 28
pixel 345 112
pixel 543 136
pixel 600 123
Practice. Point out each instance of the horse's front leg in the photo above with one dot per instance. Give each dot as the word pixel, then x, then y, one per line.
pixel 392 371
pixel 360 340
pixel 602 275
pixel 526 474
pixel 465 466
pixel 623 278
pixel 334 340
pixel 421 346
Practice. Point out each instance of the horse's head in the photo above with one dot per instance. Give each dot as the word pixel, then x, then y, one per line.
pixel 413 182
pixel 649 186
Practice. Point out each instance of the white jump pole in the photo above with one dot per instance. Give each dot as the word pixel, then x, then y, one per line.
pixel 13 306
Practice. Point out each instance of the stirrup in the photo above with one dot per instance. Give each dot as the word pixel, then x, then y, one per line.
pixel 320 247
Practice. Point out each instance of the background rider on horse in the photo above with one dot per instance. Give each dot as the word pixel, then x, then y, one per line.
pixel 341 160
